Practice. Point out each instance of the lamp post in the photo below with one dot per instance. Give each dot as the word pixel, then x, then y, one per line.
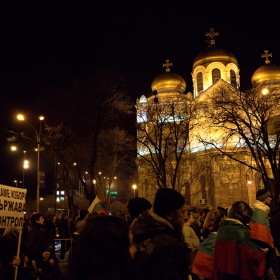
pixel 134 188
pixel 38 138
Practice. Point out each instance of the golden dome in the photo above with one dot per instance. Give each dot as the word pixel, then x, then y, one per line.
pixel 214 54
pixel 266 73
pixel 168 81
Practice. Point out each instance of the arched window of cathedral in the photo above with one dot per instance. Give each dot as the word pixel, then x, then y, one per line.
pixel 216 75
pixel 233 78
pixel 199 79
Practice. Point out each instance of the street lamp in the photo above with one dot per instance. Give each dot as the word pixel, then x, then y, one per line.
pixel 25 166
pixel 38 138
pixel 134 188
pixel 25 162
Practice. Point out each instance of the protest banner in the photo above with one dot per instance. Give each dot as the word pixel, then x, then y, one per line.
pixel 12 205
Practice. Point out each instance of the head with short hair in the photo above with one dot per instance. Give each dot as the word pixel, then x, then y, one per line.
pixel 35 217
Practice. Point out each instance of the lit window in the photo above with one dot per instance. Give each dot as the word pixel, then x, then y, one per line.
pixel 199 79
pixel 216 75
pixel 57 199
pixel 62 192
pixel 62 198
pixel 233 78
pixel 57 192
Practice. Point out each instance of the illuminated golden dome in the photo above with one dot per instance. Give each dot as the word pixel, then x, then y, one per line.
pixel 214 54
pixel 266 73
pixel 168 81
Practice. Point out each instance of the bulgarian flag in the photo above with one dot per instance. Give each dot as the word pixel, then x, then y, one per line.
pixel 203 262
pixel 97 206
pixel 259 227
pixel 236 254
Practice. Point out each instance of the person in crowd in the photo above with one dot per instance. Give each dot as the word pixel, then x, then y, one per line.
pixel 80 220
pixel 203 262
pixel 223 209
pixel 190 239
pixel 36 247
pixel 8 253
pixel 162 253
pixel 259 224
pixel 103 250
pixel 27 226
pixel 49 230
pixel 71 224
pixel 137 205
pixel 236 256
pixel 195 224
pixel 260 227
pixel 202 216
pixel 64 233
pixel 275 230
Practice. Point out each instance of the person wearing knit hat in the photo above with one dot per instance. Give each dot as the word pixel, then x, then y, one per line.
pixel 161 254
pixel 137 205
pixel 166 201
pixel 264 196
pixel 260 226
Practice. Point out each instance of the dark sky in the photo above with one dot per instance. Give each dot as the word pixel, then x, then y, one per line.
pixel 48 43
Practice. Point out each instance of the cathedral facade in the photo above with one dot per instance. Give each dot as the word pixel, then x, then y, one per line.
pixel 180 147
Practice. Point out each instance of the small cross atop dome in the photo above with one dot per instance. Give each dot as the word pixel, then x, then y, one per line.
pixel 212 34
pixel 167 65
pixel 266 55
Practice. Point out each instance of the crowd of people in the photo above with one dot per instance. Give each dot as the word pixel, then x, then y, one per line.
pixel 163 240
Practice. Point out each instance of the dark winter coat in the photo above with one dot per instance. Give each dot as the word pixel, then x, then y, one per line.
pixel 8 249
pixel 35 243
pixel 161 252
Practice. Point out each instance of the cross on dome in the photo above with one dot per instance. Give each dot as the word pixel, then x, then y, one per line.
pixel 208 41
pixel 167 64
pixel 212 34
pixel 266 55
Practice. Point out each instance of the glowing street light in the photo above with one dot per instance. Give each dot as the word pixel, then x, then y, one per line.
pixel 21 117
pixel 265 91
pixel 134 186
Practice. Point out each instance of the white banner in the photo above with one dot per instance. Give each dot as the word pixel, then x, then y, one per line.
pixel 12 205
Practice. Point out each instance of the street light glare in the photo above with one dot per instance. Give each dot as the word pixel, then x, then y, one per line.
pixel 41 118
pixel 20 117
pixel 25 164
pixel 13 148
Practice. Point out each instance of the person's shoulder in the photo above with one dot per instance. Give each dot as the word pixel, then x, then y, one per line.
pixel 164 239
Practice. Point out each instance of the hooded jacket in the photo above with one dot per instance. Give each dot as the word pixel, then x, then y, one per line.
pixel 161 252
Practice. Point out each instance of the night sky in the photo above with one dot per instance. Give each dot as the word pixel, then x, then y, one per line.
pixel 49 43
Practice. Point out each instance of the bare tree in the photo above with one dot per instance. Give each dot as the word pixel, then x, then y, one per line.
pixel 87 107
pixel 116 159
pixel 163 135
pixel 246 123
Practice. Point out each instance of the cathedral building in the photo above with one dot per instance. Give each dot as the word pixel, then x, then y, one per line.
pixel 180 146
